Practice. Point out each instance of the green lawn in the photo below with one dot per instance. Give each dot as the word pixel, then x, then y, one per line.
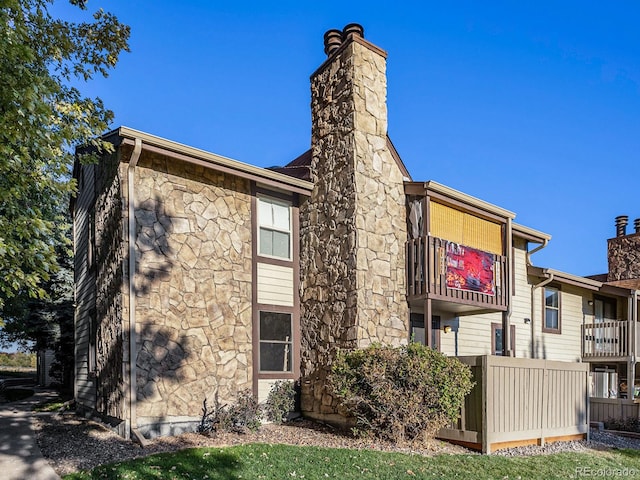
pixel 280 462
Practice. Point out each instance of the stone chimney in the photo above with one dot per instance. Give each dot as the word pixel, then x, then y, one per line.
pixel 623 253
pixel 353 227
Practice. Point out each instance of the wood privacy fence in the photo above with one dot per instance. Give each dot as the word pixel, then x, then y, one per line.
pixel 518 401
pixel 602 409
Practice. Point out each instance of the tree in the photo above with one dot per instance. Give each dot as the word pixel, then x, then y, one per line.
pixel 46 323
pixel 42 118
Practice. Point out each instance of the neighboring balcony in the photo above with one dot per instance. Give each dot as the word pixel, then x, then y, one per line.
pixel 609 339
pixel 429 275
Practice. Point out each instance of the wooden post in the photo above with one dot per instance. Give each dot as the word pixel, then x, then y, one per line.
pixel 428 337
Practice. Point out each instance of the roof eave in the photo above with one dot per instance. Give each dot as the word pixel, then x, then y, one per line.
pixel 212 160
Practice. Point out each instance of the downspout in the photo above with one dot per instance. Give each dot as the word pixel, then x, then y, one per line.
pixel 544 243
pixel 633 333
pixel 506 323
pixel 544 282
pixel 537 249
pixel 131 200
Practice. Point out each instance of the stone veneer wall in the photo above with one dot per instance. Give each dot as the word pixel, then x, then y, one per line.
pixel 624 259
pixel 194 288
pixel 110 251
pixel 353 227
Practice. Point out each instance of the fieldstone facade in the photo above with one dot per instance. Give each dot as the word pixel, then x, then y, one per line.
pixel 353 227
pixel 193 284
pixel 624 261
pixel 109 258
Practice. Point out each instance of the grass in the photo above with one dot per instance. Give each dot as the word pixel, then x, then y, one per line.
pixel 271 462
pixel 54 404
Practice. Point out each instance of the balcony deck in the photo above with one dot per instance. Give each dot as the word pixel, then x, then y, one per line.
pixel 608 340
pixel 426 277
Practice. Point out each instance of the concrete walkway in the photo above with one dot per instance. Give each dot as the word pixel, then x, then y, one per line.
pixel 20 457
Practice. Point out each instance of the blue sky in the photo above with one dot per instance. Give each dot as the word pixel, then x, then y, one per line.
pixel 533 106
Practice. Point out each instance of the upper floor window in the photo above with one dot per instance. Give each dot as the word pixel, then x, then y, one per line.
pixel 274 220
pixel 551 310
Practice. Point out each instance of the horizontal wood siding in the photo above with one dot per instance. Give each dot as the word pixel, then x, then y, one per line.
pixel 264 387
pixel 521 300
pixel 275 285
pixel 522 400
pixel 85 391
pixel 473 334
pixel 565 346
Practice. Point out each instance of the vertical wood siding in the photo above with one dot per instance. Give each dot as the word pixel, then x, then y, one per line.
pixel 522 400
pixel 602 409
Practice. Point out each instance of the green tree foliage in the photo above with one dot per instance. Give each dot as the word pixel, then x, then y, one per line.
pixel 400 393
pixel 42 117
pixel 47 322
pixel 18 359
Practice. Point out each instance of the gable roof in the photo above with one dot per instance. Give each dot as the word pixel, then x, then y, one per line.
pixel 300 167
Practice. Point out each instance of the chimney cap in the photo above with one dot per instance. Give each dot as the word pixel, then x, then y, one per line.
pixel 352 28
pixel 332 41
pixel 621 225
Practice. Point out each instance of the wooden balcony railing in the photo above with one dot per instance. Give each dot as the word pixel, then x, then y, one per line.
pixel 427 270
pixel 605 339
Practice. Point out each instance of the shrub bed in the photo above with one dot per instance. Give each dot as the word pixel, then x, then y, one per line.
pixel 402 393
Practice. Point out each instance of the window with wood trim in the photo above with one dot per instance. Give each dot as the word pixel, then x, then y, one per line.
pixel 276 342
pixel 274 225
pixel 497 339
pixel 552 321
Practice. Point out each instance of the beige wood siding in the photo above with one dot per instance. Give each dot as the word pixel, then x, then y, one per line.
pixel 264 387
pixel 601 409
pixel 471 334
pixel 85 391
pixel 521 300
pixel 565 346
pixel 474 333
pixel 522 400
pixel 275 285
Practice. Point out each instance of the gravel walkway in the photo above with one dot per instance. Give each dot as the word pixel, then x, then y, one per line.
pixel 71 443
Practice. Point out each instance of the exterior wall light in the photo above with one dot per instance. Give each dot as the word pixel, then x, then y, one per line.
pixel 447 329
pixel 527 321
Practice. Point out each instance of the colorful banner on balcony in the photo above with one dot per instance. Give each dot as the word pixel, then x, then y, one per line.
pixel 470 269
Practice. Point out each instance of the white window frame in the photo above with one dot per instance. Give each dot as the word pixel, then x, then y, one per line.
pixel 273 228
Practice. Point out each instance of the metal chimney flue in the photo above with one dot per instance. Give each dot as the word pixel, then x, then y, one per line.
pixel 636 225
pixel 621 225
pixel 354 29
pixel 332 41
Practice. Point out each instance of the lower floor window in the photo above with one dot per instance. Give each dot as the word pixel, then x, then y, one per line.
pixel 497 341
pixel 276 343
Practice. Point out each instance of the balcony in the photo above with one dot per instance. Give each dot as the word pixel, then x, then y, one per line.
pixel 427 278
pixel 605 340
